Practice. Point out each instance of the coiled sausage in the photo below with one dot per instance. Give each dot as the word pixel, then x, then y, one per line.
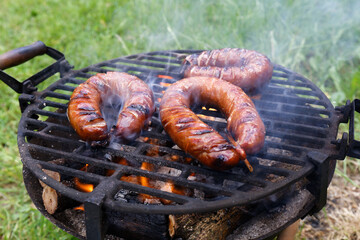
pixel 247 69
pixel 85 107
pixel 185 128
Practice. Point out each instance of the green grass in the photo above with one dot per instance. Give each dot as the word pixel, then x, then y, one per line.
pixel 320 40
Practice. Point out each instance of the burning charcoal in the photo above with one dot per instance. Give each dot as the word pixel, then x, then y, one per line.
pixel 199 194
pixel 125 195
pixel 120 196
pixel 169 171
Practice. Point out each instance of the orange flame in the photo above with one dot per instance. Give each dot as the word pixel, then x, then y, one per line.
pixel 80 208
pixel 84 187
pixel 119 160
pixel 145 181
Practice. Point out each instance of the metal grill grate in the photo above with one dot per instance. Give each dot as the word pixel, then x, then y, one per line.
pixel 298 117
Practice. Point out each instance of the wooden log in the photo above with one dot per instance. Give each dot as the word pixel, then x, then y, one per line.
pixel 203 226
pixel 52 200
pixel 52 174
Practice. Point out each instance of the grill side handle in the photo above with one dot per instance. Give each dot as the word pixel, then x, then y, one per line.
pixel 348 146
pixel 354 145
pixel 20 55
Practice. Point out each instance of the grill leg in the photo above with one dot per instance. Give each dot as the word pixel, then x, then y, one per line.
pixel 94 217
pixel 289 232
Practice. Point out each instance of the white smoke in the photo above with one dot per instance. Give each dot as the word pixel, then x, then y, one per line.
pixel 313 38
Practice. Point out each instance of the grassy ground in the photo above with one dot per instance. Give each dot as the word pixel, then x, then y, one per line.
pixel 318 39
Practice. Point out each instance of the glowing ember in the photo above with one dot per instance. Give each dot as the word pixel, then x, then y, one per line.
pixel 164 84
pixel 164 76
pixel 256 97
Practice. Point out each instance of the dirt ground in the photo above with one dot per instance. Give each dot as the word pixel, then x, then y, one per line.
pixel 340 219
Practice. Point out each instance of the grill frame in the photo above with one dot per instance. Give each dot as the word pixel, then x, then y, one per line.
pixel 147 70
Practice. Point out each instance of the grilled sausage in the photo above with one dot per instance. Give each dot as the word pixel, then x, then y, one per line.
pixel 244 124
pixel 86 102
pixel 247 69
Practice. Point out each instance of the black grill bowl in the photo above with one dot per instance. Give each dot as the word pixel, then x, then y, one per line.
pixel 298 117
pixel 301 126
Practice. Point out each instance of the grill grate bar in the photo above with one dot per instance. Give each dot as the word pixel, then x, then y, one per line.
pixel 88 176
pixel 45 127
pixel 75 157
pixel 295 118
pixel 297 140
pixel 181 199
pixel 51 138
pixel 55 115
pixel 292 100
pixel 56 95
pixel 47 103
pixel 284 83
pixel 154 62
pixel 208 188
pixel 300 129
pixel 65 87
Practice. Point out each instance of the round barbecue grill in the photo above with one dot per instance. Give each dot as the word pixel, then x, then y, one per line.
pixel 301 140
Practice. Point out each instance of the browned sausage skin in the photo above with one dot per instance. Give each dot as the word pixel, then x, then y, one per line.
pixel 247 69
pixel 85 107
pixel 200 140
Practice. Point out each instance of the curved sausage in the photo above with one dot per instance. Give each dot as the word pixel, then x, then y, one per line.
pixel 247 69
pixel 86 102
pixel 244 124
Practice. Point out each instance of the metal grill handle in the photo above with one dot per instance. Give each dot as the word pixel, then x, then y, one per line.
pixel 348 146
pixel 20 55
pixel 354 145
